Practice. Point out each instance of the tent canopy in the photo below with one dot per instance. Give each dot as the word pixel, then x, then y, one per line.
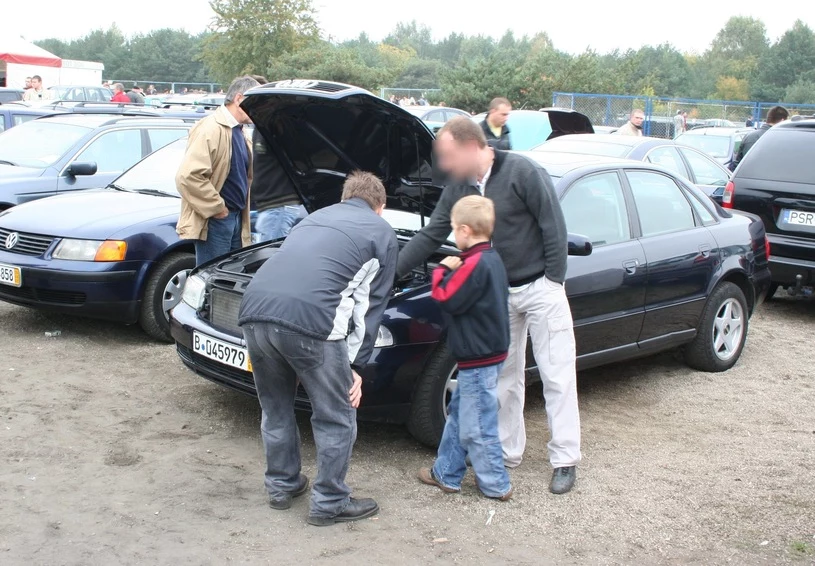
pixel 18 50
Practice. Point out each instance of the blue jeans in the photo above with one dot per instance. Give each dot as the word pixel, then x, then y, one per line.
pixel 472 430
pixel 279 358
pixel 277 222
pixel 223 236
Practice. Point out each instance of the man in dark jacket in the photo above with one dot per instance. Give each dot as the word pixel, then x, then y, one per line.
pixel 311 314
pixel 495 126
pixel 530 236
pixel 775 115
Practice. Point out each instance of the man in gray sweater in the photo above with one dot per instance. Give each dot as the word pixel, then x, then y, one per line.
pixel 530 236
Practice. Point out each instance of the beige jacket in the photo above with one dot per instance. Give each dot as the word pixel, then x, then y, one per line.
pixel 628 129
pixel 202 175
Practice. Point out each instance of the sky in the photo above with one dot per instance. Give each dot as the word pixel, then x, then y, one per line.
pixel 598 24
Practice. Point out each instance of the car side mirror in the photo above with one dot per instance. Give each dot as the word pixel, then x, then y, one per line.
pixel 579 245
pixel 81 168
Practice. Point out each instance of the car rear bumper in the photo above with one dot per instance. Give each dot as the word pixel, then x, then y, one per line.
pixel 785 271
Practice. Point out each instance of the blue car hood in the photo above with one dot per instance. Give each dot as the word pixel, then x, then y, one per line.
pixel 94 215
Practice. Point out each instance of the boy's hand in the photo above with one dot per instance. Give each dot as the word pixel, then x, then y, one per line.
pixel 452 262
pixel 355 394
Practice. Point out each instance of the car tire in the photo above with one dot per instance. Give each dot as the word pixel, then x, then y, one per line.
pixel 428 407
pixel 166 281
pixel 722 333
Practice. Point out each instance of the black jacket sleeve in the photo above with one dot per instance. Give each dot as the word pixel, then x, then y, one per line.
pixel 543 203
pixel 429 238
pixel 458 290
pixel 370 303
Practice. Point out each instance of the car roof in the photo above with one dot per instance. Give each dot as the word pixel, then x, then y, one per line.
pixel 808 124
pixel 716 131
pixel 100 120
pixel 558 164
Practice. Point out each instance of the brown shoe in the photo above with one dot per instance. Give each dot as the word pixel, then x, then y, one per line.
pixel 506 497
pixel 426 477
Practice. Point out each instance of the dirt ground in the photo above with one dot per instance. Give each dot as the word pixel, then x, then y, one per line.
pixel 113 453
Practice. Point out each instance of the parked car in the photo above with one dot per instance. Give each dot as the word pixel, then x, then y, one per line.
pixel 70 152
pixel 668 268
pixel 80 93
pixel 722 144
pixel 14 114
pixel 699 168
pixel 775 181
pixel 111 253
pixel 530 128
pixel 435 116
pixel 8 94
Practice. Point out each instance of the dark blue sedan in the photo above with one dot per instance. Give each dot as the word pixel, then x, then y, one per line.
pixel 668 268
pixel 111 253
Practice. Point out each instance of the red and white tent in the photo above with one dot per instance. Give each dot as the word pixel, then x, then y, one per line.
pixel 20 59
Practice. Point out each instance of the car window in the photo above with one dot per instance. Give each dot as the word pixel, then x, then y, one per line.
pixel 661 204
pixel 160 138
pixel 594 207
pixel 95 95
pixel 22 118
pixel 713 145
pixel 114 151
pixel 706 171
pixel 156 171
pixel 701 209
pixel 39 143
pixel 2 123
pixel 668 158
pixel 435 116
pixel 781 155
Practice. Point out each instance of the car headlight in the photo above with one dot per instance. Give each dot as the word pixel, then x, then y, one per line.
pixel 91 250
pixel 194 292
pixel 384 338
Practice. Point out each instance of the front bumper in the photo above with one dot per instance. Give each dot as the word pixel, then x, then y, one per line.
pixel 99 290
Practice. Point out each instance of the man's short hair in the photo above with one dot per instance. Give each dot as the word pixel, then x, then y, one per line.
pixel 37 77
pixel 364 185
pixel 239 86
pixel 463 129
pixel 477 212
pixel 118 86
pixel 260 79
pixel 496 103
pixel 777 114
pixel 637 111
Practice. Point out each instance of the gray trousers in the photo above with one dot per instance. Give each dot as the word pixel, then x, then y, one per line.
pixel 279 358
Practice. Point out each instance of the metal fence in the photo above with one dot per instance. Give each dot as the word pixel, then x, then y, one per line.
pixel 613 110
pixel 169 87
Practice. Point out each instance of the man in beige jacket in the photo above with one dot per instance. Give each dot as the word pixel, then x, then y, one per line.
pixel 214 179
pixel 634 125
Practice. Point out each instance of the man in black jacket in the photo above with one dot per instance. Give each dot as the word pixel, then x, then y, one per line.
pixel 775 115
pixel 530 236
pixel 311 313
pixel 495 126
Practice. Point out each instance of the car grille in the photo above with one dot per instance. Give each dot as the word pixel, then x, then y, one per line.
pixel 27 244
pixel 224 309
pixel 50 296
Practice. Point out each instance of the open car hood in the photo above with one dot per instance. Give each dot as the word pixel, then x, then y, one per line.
pixel 320 131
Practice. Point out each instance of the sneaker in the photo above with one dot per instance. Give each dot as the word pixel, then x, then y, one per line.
pixel 357 509
pixel 563 479
pixel 283 501
pixel 427 476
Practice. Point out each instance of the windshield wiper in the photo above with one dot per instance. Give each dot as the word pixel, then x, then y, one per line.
pixel 116 187
pixel 153 192
pixel 7 162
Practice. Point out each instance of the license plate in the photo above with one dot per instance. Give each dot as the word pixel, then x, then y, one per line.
pixel 220 351
pixel 798 217
pixel 10 275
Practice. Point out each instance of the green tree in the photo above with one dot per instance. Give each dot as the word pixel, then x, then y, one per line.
pixel 801 91
pixel 738 48
pixel 791 55
pixel 411 36
pixel 247 35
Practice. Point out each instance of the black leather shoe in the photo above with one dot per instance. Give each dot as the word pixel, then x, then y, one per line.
pixel 283 502
pixel 563 479
pixel 357 509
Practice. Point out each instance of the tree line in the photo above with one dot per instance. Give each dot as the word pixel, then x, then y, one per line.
pixel 282 39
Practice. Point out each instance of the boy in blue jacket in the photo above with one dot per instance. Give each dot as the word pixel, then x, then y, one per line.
pixel 472 291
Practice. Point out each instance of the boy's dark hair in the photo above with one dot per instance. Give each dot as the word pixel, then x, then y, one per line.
pixel 367 186
pixel 777 114
pixel 477 212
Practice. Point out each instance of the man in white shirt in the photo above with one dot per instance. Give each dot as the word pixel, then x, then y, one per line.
pixel 37 91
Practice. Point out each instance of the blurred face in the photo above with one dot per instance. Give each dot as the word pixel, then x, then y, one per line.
pixel 500 115
pixel 239 114
pixel 637 118
pixel 36 83
pixel 28 82
pixel 459 159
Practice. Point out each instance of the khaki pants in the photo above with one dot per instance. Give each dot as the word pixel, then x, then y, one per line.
pixel 542 310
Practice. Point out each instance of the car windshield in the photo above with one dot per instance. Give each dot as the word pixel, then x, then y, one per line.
pixel 586 147
pixel 713 145
pixel 156 172
pixel 39 143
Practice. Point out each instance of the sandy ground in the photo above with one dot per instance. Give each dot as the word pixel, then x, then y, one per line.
pixel 113 453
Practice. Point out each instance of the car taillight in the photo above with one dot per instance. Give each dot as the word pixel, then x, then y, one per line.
pixel 729 194
pixel 767 246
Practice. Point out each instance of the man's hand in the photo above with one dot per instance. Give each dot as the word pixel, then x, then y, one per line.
pixel 356 390
pixel 223 214
pixel 452 262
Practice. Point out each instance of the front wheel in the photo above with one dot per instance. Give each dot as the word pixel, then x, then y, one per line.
pixel 722 332
pixel 162 292
pixel 428 409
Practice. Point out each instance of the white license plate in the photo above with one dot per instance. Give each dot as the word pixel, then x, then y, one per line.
pixel 798 217
pixel 10 275
pixel 220 351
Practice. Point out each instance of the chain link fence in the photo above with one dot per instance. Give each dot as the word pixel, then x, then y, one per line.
pixel 165 87
pixel 610 110
pixel 431 95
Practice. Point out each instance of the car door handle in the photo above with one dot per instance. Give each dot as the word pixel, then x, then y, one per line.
pixel 704 249
pixel 631 266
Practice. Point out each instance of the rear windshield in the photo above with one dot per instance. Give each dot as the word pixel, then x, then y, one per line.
pixel 585 147
pixel 716 146
pixel 781 155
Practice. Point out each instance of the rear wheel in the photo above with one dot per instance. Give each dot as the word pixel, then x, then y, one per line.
pixel 162 292
pixel 428 410
pixel 722 332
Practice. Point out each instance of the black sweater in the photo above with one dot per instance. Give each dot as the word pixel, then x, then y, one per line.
pixel 474 299
pixel 530 231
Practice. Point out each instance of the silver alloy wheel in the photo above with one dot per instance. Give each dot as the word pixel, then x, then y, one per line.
pixel 728 329
pixel 173 291
pixel 449 386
